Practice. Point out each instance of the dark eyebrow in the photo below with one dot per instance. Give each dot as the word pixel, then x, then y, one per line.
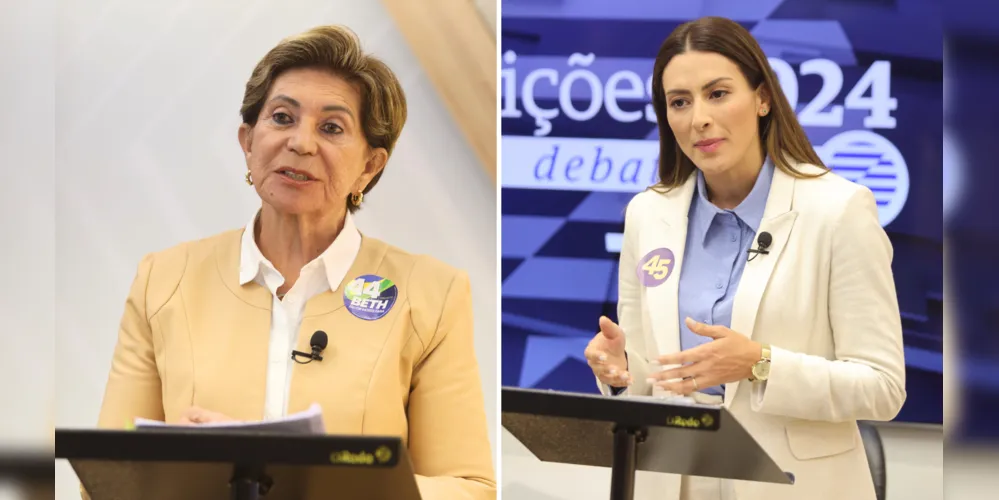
pixel 295 104
pixel 705 87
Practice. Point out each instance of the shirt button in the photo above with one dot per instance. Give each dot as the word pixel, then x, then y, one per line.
pixel 718 284
pixel 734 238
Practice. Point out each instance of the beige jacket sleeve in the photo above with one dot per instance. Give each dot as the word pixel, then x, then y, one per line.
pixel 133 387
pixel 448 438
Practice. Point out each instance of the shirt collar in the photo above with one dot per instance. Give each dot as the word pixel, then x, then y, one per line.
pixel 750 211
pixel 334 262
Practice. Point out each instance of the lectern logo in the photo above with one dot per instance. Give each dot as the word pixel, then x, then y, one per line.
pixel 678 421
pixel 707 420
pixel 344 457
pixel 383 454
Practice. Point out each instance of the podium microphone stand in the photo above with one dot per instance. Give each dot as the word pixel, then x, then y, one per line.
pixel 180 464
pixel 629 434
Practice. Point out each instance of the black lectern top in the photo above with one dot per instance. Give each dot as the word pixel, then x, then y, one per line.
pixel 203 463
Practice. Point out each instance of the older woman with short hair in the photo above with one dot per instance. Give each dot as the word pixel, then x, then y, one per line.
pixel 210 325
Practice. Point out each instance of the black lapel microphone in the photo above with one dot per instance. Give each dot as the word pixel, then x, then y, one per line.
pixel 318 343
pixel 763 242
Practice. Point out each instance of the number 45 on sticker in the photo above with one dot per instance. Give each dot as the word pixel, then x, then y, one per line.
pixel 656 267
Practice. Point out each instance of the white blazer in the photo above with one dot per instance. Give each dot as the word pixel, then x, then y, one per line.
pixel 824 298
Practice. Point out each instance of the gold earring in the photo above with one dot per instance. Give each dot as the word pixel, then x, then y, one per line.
pixel 357 198
pixel 249 179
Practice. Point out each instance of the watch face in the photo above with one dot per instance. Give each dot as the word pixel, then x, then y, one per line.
pixel 761 370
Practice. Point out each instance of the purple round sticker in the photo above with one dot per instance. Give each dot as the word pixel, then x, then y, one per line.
pixel 370 297
pixel 655 267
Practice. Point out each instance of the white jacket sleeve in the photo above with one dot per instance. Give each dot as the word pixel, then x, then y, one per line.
pixel 629 311
pixel 866 380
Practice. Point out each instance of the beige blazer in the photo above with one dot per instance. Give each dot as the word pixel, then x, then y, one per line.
pixel 192 336
pixel 824 298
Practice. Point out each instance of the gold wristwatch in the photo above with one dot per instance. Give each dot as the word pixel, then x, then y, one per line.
pixel 761 370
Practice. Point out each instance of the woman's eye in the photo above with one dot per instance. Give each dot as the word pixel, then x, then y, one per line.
pixel 281 118
pixel 719 94
pixel 677 103
pixel 331 128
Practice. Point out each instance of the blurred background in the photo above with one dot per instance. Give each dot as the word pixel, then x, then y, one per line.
pixel 579 139
pixel 27 248
pixel 119 139
pixel 971 235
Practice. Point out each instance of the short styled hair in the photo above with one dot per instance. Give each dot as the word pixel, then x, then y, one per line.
pixel 336 49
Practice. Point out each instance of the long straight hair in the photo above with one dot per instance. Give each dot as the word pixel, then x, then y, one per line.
pixel 781 136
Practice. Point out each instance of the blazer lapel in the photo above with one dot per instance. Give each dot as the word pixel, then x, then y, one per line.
pixel 369 256
pixel 778 220
pixel 665 228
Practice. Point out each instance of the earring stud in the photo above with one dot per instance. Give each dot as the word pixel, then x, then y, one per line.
pixel 357 198
pixel 249 178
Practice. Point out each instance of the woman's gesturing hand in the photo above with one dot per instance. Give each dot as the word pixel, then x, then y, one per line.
pixel 729 357
pixel 605 355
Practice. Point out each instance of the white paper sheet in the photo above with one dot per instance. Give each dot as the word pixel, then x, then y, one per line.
pixel 671 399
pixel 305 422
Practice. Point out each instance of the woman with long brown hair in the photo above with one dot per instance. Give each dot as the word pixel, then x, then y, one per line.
pixel 753 277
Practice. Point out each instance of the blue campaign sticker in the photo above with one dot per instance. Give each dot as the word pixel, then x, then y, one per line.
pixel 370 297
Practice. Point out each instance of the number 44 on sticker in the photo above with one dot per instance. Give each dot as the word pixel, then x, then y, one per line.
pixel 656 267
pixel 369 290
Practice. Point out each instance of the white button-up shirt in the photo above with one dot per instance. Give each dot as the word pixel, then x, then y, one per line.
pixel 324 273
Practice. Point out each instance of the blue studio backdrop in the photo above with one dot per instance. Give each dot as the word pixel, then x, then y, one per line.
pixel 580 140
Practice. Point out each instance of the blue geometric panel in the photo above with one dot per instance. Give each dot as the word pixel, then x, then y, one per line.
pixel 537 202
pixel 579 239
pixel 526 234
pixel 559 317
pixel 540 326
pixel 602 207
pixel 508 266
pixel 557 278
pixel 795 40
pixel 543 354
pixel 571 375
